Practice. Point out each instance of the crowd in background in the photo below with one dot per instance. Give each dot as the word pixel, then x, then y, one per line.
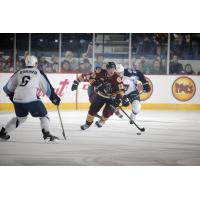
pixel 149 55
pixel 70 64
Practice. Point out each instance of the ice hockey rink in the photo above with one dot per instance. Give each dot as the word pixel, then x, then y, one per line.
pixel 171 138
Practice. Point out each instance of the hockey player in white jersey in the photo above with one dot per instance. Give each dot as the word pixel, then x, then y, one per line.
pixel 130 80
pixel 22 90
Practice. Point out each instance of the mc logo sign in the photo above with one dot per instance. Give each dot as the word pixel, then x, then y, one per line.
pixel 183 88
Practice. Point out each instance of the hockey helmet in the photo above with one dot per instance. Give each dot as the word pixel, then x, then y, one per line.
pixel 31 61
pixel 111 65
pixel 119 68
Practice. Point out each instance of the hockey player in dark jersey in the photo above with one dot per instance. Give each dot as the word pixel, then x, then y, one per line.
pixel 110 91
pixel 22 91
pixel 92 94
pixel 131 78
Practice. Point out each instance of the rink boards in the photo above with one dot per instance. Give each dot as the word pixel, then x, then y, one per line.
pixel 169 92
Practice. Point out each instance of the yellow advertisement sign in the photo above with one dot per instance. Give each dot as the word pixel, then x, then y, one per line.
pixel 145 95
pixel 183 88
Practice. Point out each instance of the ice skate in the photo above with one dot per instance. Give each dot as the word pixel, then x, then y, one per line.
pixel 47 136
pixel 99 123
pixel 3 135
pixel 85 126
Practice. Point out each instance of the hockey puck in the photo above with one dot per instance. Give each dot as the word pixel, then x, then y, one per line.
pixel 138 133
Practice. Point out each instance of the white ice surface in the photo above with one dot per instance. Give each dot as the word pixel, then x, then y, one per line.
pixel 171 138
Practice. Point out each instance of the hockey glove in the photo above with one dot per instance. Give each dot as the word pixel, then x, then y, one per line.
pixel 11 95
pixel 117 101
pixel 146 87
pixel 125 101
pixel 75 85
pixel 55 99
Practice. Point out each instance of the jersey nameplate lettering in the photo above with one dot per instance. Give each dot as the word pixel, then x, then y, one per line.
pixel 28 71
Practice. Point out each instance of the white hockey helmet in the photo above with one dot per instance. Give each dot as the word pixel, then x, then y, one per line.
pixel 31 61
pixel 119 68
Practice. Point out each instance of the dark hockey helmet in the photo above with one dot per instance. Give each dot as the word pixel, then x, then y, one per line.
pixel 111 65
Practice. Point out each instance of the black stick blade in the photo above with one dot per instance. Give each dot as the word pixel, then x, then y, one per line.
pixel 142 129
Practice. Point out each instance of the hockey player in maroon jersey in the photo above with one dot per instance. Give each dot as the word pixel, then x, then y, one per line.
pixel 109 89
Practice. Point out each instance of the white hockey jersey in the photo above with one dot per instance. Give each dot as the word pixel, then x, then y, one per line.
pixel 25 83
pixel 130 84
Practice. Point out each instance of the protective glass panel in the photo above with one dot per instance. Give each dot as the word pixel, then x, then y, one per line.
pixel 76 53
pixel 46 47
pixel 111 47
pixel 185 53
pixel 21 50
pixel 149 52
pixel 6 52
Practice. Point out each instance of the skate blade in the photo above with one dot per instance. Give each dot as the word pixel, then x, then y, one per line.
pixel 5 139
pixel 48 141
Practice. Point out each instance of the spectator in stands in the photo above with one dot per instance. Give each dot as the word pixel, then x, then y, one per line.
pixel 55 67
pixel 55 64
pixel 54 59
pixel 103 65
pixel 88 65
pixel 142 60
pixel 9 65
pixel 69 56
pixel 99 61
pixel 175 67
pixel 66 67
pixel 84 66
pixel 86 59
pixel 139 66
pixel 164 64
pixel 48 69
pixel 147 66
pixel 188 69
pixel 157 68
pixel 43 63
pixel 84 56
pixel 2 62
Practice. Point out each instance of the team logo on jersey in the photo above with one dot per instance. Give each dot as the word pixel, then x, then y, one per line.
pixel 119 80
pixel 183 88
pixel 146 95
pixel 108 88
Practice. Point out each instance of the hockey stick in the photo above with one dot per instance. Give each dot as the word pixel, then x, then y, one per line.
pixel 63 131
pixel 132 122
